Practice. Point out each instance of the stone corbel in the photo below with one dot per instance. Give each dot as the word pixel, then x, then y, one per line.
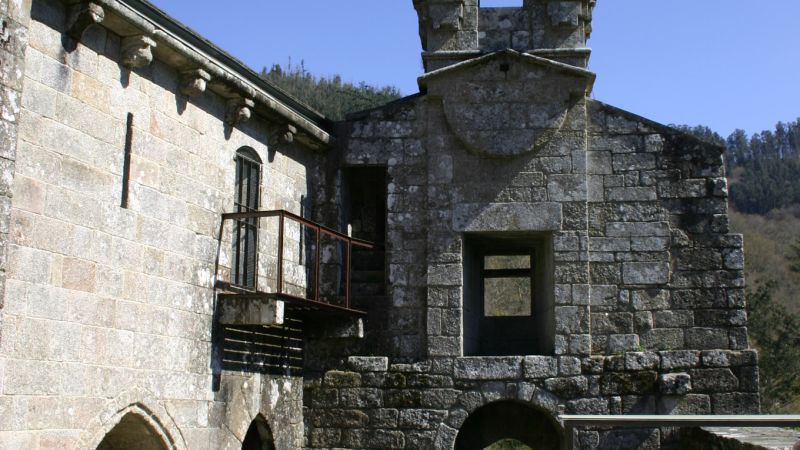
pixel 83 15
pixel 288 136
pixel 137 51
pixel 194 82
pixel 240 110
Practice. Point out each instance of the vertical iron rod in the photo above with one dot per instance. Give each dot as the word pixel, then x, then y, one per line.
pixel 347 274
pixel 280 253
pixel 318 264
pixel 126 163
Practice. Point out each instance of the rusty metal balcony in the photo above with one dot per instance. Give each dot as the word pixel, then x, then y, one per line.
pixel 258 299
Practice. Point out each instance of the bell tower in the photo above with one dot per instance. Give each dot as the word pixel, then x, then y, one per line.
pixel 453 31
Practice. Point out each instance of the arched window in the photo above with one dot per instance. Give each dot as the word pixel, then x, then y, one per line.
pixel 132 432
pixel 508 425
pixel 245 232
pixel 259 436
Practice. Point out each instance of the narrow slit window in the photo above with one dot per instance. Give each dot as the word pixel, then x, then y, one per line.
pixel 126 163
pixel 245 232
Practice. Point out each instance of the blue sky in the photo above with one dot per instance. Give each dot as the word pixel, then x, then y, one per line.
pixel 721 63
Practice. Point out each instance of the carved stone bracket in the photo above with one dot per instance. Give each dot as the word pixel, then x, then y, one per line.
pixel 239 110
pixel 137 51
pixel 194 82
pixel 81 16
pixel 288 136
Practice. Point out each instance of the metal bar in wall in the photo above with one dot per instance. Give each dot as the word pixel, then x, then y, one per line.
pixel 281 223
pixel 317 265
pixel 348 269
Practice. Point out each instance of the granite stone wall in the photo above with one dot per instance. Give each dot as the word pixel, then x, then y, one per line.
pixel 110 310
pixel 646 282
pixel 14 19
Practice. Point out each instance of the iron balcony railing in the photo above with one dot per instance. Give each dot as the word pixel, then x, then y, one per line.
pixel 315 300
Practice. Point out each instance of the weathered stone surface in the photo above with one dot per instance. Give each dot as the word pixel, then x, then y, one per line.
pixel 488 368
pixel 507 217
pixel 368 364
pixel 540 367
pixel 263 312
pixel 645 273
pixel 675 383
pixel 641 361
pixel 679 359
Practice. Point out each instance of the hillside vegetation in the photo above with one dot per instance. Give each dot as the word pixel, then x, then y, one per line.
pixel 764 178
pixel 330 96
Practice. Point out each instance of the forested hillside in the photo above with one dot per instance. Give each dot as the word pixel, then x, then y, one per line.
pixel 764 177
pixel 330 96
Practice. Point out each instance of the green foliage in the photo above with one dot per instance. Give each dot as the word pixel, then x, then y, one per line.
pixel 329 95
pixel 794 256
pixel 776 333
pixel 767 184
pixel 766 165
pixel 702 132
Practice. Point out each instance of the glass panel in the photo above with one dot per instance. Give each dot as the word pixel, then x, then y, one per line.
pixel 507 297
pixel 507 262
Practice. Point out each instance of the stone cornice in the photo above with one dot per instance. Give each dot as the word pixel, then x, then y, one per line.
pixel 186 51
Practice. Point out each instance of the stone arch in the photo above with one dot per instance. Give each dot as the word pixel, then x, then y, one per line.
pixel 509 420
pixel 131 412
pixel 547 404
pixel 259 435
pixel 137 428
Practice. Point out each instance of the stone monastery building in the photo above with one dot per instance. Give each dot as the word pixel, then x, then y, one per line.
pixel 192 259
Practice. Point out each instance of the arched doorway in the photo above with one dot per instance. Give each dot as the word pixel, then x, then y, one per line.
pixel 259 436
pixel 132 433
pixel 508 425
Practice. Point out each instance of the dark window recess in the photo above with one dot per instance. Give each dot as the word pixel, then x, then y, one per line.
pixel 508 305
pixel 245 231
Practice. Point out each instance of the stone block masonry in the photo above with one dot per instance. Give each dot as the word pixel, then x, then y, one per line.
pixel 108 309
pixel 371 403
pixel 506 185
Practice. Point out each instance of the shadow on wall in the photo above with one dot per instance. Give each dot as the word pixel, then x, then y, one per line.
pixel 508 425
pixel 132 432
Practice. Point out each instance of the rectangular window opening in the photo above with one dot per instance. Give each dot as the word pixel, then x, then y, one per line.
pixel 508 301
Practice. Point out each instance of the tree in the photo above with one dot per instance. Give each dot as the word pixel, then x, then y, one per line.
pixel 776 333
pixel 330 96
pixel 794 256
